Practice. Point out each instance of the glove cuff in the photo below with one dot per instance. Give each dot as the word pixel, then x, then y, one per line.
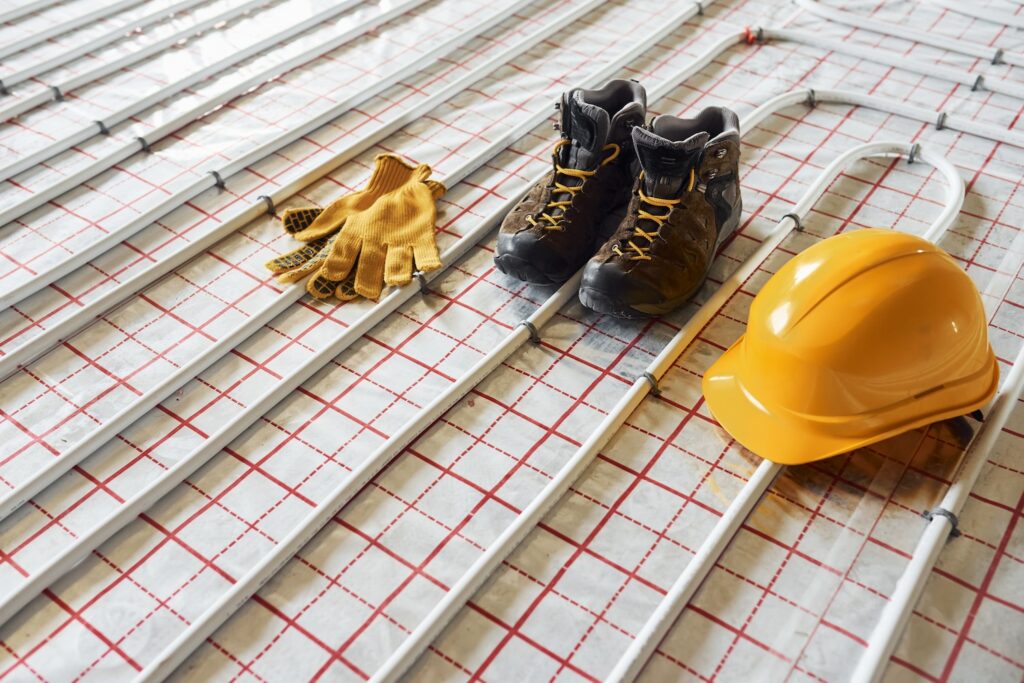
pixel 391 172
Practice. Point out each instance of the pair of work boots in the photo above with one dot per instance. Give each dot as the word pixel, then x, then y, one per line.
pixel 645 206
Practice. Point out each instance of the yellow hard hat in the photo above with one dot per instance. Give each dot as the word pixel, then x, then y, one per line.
pixel 861 337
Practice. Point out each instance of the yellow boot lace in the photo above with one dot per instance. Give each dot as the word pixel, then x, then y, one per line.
pixel 642 253
pixel 554 222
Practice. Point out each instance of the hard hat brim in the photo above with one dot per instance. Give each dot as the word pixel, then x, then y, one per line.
pixel 789 439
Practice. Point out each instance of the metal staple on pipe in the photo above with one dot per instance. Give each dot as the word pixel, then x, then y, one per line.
pixel 653 381
pixel 218 181
pixel 799 225
pixel 915 149
pixel 532 329
pixel 271 209
pixel 422 280
pixel 954 522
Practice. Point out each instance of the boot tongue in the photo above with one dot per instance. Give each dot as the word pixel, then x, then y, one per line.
pixel 666 163
pixel 586 127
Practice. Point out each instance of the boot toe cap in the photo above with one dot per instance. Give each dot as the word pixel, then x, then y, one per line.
pixel 609 287
pixel 527 256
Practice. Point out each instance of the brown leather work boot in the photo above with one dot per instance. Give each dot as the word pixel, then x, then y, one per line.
pixel 686 202
pixel 557 226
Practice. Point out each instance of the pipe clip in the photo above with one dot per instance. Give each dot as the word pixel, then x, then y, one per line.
pixel 145 144
pixel 3 88
pixel 798 224
pixel 997 58
pixel 915 149
pixel 271 209
pixel 102 126
pixel 812 98
pixel 218 182
pixel 532 329
pixel 422 279
pixel 978 82
pixel 752 36
pixel 58 96
pixel 943 512
pixel 700 8
pixel 940 122
pixel 653 381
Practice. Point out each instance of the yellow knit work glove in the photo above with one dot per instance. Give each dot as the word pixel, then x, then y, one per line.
pixel 386 238
pixel 320 227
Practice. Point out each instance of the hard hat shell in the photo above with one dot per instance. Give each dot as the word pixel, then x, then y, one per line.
pixel 861 337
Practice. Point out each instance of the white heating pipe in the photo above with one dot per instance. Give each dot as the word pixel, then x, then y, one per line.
pixel 55 90
pixel 247 586
pixel 65 27
pixel 897 610
pixel 198 110
pixel 457 596
pixel 679 595
pixel 30 7
pixel 38 345
pixel 88 444
pixel 153 492
pixel 976 81
pixel 979 11
pixel 995 55
pixel 179 197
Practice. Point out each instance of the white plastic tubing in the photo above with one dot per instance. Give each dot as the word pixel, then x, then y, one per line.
pixel 70 25
pixel 432 625
pixel 879 55
pixel 142 143
pixel 108 429
pixel 243 588
pixel 211 179
pixel 981 11
pixel 87 314
pixel 996 55
pixel 897 610
pixel 457 596
pixel 188 464
pixel 683 589
pixel 56 90
pixel 26 8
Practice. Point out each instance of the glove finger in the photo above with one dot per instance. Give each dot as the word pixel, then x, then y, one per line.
pixel 346 289
pixel 296 220
pixel 398 265
pixel 325 223
pixel 370 273
pixel 320 286
pixel 342 257
pixel 427 256
pixel 297 258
